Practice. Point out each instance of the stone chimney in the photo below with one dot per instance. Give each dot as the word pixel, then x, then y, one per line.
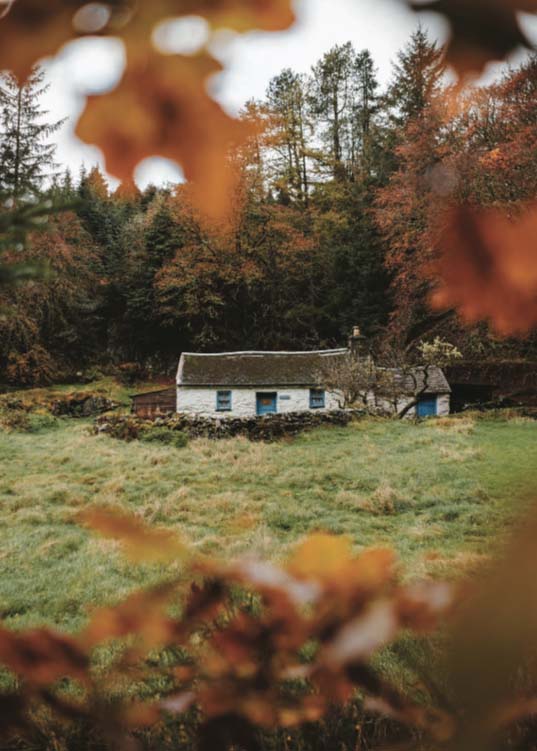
pixel 358 344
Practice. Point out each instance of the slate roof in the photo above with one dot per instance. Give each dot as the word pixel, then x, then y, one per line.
pixel 255 369
pixel 437 381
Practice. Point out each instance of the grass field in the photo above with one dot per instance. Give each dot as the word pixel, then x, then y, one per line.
pixel 437 492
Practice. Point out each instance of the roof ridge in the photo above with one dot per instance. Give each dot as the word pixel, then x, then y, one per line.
pixel 267 352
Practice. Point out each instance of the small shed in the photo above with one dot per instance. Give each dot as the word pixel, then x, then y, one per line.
pixel 153 403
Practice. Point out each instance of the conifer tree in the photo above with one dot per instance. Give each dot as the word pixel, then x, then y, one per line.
pixel 286 99
pixel 365 109
pixel 417 78
pixel 331 96
pixel 26 152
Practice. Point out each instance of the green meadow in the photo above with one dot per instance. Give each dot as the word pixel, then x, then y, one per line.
pixel 441 493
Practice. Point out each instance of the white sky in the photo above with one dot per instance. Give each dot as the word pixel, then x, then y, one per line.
pixel 251 60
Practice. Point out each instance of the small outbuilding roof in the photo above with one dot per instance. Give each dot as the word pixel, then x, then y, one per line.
pixel 253 368
pixel 414 381
pixel 277 369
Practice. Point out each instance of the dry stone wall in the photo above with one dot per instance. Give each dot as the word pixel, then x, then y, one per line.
pixel 268 428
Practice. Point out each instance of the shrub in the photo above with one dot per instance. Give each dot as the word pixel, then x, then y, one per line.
pixel 40 421
pixel 33 368
pixel 174 438
pixel 22 421
pixel 14 419
pixel 131 372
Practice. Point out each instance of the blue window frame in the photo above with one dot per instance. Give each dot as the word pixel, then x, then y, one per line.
pixel 317 399
pixel 223 401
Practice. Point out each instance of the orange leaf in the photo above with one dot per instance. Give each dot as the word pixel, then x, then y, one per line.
pixel 143 614
pixel 321 556
pixel 41 656
pixel 32 29
pixel 243 15
pixel 363 636
pixel 482 30
pixel 161 108
pixel 139 715
pixel 329 559
pixel 488 269
pixel 140 542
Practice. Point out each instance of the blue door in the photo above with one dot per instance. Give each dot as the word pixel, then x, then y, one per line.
pixel 427 406
pixel 266 404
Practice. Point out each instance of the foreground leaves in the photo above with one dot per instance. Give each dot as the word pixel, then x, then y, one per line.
pixel 237 661
pixel 481 30
pixel 488 268
pixel 239 652
pixel 140 542
pixel 161 106
pixel 170 113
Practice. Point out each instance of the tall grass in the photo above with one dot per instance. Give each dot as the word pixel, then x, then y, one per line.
pixel 437 492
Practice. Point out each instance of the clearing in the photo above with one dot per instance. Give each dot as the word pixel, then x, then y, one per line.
pixel 438 492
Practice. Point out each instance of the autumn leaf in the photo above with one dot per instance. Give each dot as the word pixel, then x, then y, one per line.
pixel 422 605
pixel 166 111
pixel 143 614
pixel 32 29
pixel 243 15
pixel 268 578
pixel 140 542
pixel 330 560
pixel 488 268
pixel 140 715
pixel 361 637
pixel 42 656
pixel 481 30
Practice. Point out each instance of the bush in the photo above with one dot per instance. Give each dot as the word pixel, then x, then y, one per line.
pixel 21 421
pixel 14 419
pixel 35 368
pixel 130 373
pixel 38 422
pixel 175 438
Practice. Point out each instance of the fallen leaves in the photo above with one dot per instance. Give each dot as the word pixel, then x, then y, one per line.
pixel 488 268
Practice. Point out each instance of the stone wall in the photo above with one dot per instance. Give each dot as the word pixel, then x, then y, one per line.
pixel 268 428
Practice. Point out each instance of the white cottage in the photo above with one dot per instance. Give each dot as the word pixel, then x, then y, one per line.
pixel 245 384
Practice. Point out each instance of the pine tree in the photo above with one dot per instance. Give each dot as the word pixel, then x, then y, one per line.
pixel 364 113
pixel 331 96
pixel 286 99
pixel 417 79
pixel 26 153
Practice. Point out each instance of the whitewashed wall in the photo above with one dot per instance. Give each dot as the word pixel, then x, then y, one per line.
pixel 443 405
pixel 202 401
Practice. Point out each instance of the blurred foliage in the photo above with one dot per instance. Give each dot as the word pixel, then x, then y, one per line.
pixel 338 608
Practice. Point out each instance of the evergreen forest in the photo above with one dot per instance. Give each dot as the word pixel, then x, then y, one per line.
pixel 333 222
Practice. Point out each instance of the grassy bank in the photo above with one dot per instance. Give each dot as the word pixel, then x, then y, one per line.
pixel 437 492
